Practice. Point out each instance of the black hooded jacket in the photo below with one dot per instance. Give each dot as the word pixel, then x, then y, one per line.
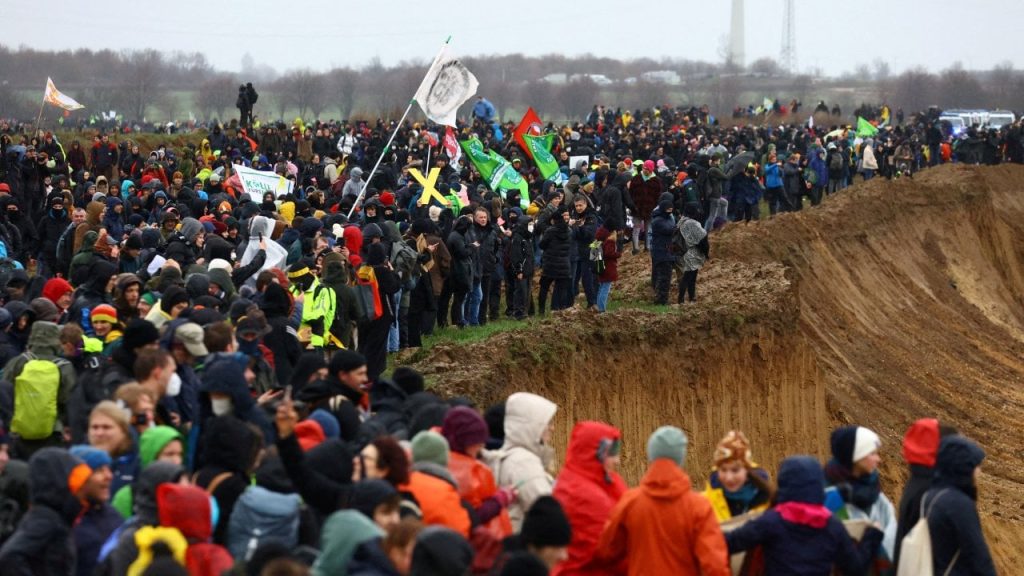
pixel 42 544
pixel 281 340
pixel 953 512
pixel 230 449
pixel 557 245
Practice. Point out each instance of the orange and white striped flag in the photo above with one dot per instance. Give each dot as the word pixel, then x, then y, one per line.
pixel 55 97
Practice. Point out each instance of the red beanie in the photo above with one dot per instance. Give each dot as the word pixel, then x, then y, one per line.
pixel 387 198
pixel 309 434
pixel 921 444
pixel 55 288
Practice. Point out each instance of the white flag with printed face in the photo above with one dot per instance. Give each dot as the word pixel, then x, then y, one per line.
pixel 447 86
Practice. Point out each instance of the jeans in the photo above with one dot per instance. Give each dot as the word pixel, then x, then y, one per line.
pixel 604 292
pixel 393 331
pixel 719 209
pixel 473 299
pixel 584 272
pixel 868 174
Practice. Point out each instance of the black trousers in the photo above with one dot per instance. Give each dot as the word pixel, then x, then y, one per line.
pixel 688 285
pixel 662 272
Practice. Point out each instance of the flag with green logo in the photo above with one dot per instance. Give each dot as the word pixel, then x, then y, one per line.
pixel 540 150
pixel 498 172
pixel 865 129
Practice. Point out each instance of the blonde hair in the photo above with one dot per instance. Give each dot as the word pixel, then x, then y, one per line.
pixel 119 416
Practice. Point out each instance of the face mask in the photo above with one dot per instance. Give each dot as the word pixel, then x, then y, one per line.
pixel 221 406
pixel 249 348
pixel 174 385
pixel 529 228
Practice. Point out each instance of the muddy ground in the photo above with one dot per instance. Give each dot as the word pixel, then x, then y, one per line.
pixel 890 302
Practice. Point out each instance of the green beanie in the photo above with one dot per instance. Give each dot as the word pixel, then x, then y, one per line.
pixel 667 442
pixel 430 447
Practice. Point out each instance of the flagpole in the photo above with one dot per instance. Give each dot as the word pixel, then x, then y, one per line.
pixel 39 118
pixel 387 147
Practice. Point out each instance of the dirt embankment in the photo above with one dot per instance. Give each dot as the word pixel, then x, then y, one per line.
pixel 891 302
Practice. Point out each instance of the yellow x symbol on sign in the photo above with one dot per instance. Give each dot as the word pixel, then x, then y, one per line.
pixel 428 183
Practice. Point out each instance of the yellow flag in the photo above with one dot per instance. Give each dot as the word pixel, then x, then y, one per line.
pixel 429 190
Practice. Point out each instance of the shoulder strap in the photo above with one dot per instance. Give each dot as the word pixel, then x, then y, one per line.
pixel 217 481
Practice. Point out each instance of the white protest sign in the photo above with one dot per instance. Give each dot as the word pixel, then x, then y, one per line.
pixel 256 183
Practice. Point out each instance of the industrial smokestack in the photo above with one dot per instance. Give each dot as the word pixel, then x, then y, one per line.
pixel 737 45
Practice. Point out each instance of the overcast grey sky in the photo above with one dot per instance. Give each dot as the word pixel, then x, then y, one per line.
pixel 832 35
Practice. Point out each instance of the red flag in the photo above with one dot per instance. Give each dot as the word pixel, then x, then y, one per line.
pixel 530 124
pixel 432 138
pixel 451 145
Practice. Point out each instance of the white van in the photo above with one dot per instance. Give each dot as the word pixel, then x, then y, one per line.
pixel 1000 118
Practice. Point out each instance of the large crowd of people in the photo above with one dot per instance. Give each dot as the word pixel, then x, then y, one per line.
pixel 195 380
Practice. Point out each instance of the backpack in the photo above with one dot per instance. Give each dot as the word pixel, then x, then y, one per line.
pixel 262 516
pixel 404 260
pixel 810 176
pixel 35 398
pixel 678 245
pixel 597 263
pixel 916 550
pixel 835 163
pixel 368 294
pixel 66 249
pixel 690 191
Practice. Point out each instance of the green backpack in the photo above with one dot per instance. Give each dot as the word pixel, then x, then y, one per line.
pixel 35 398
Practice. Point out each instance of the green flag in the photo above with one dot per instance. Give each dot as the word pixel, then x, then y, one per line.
pixel 540 149
pixel 865 129
pixel 498 172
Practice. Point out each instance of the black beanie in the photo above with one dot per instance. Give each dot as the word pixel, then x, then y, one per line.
pixel 546 524
pixel 173 296
pixel 524 564
pixel 368 494
pixel 346 361
pixel 139 333
pixel 408 379
pixel 843 441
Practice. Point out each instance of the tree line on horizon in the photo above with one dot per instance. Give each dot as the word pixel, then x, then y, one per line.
pixel 162 86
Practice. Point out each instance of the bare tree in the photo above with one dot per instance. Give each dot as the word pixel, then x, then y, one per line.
pixel 168 104
pixel 215 95
pixel 913 90
pixel 577 97
pixel 344 82
pixel 882 70
pixel 306 90
pixel 766 67
pixel 958 87
pixel 142 80
pixel 1002 85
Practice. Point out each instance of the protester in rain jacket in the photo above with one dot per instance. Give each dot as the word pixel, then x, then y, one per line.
pixel 42 544
pixel 523 460
pixel 958 544
pixel 588 487
pixel 663 526
pixel 855 491
pixel 800 535
pixel 920 448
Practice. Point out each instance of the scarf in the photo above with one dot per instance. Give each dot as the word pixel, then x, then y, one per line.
pixel 862 492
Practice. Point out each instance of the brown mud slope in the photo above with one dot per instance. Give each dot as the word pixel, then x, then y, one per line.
pixel 891 302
